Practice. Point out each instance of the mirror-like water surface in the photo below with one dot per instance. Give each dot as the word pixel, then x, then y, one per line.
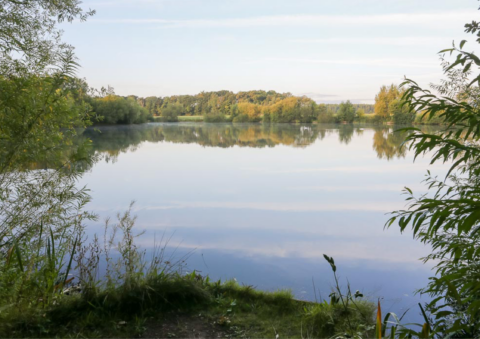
pixel 262 203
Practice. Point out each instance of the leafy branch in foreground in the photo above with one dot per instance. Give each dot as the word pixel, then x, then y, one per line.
pixel 447 217
pixel 41 107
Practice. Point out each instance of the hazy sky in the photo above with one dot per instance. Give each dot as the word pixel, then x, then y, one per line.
pixel 329 50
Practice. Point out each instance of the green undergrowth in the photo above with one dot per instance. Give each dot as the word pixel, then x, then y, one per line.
pixel 259 314
pixel 190 118
pixel 128 311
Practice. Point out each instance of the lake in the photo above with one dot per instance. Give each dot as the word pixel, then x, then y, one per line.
pixel 263 203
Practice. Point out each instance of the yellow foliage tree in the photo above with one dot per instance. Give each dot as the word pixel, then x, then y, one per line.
pixel 383 100
pixel 252 110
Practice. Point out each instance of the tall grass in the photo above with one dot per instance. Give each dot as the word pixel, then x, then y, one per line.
pixel 36 277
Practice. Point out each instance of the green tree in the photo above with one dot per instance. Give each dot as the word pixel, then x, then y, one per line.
pixel 42 106
pixel 113 109
pixel 325 115
pixel 346 112
pixel 151 104
pixel 171 112
pixel 360 113
pixel 401 112
pixel 234 111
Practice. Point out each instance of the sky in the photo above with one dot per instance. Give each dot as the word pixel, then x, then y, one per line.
pixel 328 50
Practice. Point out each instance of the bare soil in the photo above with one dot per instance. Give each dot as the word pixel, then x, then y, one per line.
pixel 185 326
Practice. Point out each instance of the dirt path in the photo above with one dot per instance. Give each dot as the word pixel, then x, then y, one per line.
pixel 183 326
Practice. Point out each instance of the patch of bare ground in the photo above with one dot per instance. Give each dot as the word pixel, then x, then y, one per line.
pixel 185 326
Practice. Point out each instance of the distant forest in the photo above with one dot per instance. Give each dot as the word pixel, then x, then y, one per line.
pixel 226 102
pixel 251 106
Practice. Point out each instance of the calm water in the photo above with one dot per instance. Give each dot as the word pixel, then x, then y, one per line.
pixel 263 203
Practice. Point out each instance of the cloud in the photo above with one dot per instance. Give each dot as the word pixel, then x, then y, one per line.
pixel 385 62
pixel 374 168
pixel 361 188
pixel 373 206
pixel 404 19
pixel 396 41
pixel 367 249
pixel 117 3
pixel 318 95
pixel 280 206
pixel 338 101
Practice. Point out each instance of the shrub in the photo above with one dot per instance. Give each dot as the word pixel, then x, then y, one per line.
pixel 241 118
pixel 171 113
pixel 214 117
pixel 114 109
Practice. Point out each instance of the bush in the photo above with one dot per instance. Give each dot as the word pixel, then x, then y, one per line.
pixel 422 119
pixel 251 111
pixel 214 117
pixel 326 117
pixel 171 113
pixel 241 118
pixel 114 109
pixel 346 112
pixel 402 114
pixel 266 117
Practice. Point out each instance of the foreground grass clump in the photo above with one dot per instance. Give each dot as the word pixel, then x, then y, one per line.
pixel 233 310
pixel 105 312
pixel 261 314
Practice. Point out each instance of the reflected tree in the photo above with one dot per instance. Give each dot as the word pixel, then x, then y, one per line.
pixel 345 133
pixel 388 144
pixel 108 142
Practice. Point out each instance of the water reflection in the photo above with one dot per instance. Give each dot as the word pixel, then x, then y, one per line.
pixel 114 140
pixel 388 145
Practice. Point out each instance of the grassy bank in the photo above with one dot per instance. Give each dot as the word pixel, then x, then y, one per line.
pixel 174 305
pixel 368 119
pixel 182 118
pixel 185 118
pixel 114 290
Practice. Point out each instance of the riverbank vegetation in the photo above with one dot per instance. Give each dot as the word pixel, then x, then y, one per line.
pixel 256 106
pixel 273 107
pixel 388 109
pixel 224 106
pixel 252 106
pixel 113 109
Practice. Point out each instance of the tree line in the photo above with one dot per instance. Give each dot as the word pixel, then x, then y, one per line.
pixel 220 106
pixel 253 106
